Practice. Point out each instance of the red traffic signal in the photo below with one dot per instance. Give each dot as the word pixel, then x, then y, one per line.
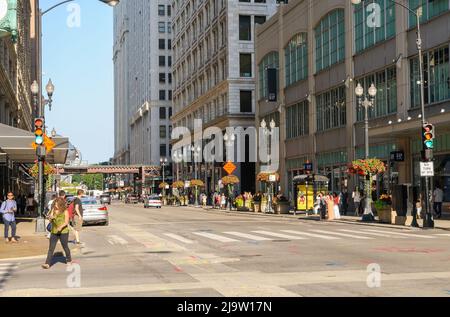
pixel 39 131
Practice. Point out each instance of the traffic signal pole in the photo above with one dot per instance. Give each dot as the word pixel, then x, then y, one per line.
pixel 39 126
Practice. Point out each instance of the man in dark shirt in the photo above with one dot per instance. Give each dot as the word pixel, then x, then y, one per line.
pixel 78 215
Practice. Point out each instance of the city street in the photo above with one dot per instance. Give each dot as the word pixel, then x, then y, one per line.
pixel 194 252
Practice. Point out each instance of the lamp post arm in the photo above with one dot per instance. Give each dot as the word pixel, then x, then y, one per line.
pixel 406 7
pixel 55 6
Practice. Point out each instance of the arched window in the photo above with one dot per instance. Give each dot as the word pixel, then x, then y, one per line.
pixel 296 59
pixel 269 61
pixel 330 39
pixel 374 22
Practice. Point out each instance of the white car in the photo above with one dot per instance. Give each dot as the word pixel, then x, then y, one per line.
pixel 152 201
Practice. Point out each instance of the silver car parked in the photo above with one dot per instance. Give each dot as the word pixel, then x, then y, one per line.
pixel 94 212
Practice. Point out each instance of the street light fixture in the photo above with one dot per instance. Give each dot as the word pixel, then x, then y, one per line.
pixel 267 133
pixel 428 221
pixel 366 102
pixel 196 151
pixel 163 161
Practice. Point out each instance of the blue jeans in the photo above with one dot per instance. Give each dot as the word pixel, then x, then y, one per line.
pixel 13 228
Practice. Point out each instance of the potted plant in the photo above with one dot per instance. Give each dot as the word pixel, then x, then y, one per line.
pixel 384 210
pixel 240 203
pixel 281 205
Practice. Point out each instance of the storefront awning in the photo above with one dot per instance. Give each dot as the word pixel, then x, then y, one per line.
pixel 16 143
pixel 304 178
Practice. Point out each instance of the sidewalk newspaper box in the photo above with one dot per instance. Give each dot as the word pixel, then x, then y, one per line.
pixel 305 187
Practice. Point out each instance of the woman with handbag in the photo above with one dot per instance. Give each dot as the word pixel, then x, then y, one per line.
pixel 59 220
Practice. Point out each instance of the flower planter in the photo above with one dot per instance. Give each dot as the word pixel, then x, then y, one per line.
pixel 385 215
pixel 282 208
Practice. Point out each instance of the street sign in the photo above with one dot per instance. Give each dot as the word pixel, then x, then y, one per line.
pixel 308 166
pixel 426 169
pixel 229 167
pixel 272 178
pixel 397 156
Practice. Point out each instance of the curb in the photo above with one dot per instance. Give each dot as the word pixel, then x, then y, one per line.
pixel 298 217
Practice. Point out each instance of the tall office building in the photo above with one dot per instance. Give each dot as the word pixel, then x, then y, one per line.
pixel 322 50
pixel 214 77
pixel 142 80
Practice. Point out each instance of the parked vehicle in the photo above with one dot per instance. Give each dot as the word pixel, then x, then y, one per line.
pixel 132 199
pixel 152 201
pixel 105 199
pixel 94 212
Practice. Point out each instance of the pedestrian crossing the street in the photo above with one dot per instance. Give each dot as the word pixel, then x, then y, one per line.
pixel 339 234
pixel 6 271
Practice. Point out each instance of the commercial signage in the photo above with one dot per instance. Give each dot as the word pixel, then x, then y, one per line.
pixel 397 156
pixel 8 18
pixel 426 169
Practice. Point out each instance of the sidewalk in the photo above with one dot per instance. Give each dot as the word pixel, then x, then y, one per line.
pixel 439 224
pixel 31 245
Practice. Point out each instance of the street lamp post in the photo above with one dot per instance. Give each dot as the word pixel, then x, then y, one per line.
pixel 366 102
pixel 229 139
pixel 196 152
pixel 267 134
pixel 428 221
pixel 163 161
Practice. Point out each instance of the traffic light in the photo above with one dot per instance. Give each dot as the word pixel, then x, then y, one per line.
pixel 39 131
pixel 428 136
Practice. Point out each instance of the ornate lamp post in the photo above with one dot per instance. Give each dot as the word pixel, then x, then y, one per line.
pixel 367 101
pixel 229 139
pixel 268 134
pixel 163 161
pixel 196 152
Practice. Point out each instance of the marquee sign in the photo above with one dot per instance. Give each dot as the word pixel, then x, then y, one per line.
pixel 8 18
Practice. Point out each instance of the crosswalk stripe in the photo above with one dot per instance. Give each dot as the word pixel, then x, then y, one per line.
pixel 314 235
pixel 113 239
pixel 443 234
pixel 402 234
pixel 279 235
pixel 343 234
pixel 215 237
pixel 179 238
pixel 248 236
pixel 373 234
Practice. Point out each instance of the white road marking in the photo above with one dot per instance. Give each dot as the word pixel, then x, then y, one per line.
pixel 313 235
pixel 387 235
pixel 215 237
pixel 443 234
pixel 279 235
pixel 113 240
pixel 402 234
pixel 248 236
pixel 179 238
pixel 343 234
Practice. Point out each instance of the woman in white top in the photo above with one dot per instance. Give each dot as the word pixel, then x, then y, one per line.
pixel 357 200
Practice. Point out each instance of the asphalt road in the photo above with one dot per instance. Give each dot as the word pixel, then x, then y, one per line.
pixel 191 252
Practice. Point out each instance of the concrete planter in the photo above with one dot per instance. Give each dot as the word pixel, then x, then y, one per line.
pixel 385 215
pixel 282 208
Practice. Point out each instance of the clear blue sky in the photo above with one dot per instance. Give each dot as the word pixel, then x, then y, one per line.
pixel 79 62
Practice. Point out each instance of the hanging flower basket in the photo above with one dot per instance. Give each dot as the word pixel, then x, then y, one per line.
pixel 367 167
pixel 230 180
pixel 197 182
pixel 48 170
pixel 265 176
pixel 163 185
pixel 178 184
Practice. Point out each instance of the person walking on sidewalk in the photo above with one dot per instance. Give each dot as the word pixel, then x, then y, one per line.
pixel 78 215
pixel 59 217
pixel 438 197
pixel 356 200
pixel 8 208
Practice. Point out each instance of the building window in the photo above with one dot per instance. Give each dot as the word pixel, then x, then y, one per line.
pixel 162 44
pixel 436 77
pixel 170 94
pixel 245 61
pixel 162 78
pixel 162 95
pixel 386 99
pixel 162 132
pixel 269 61
pixel 162 27
pixel 169 10
pixel 367 35
pixel 331 109
pixel 170 111
pixel 260 19
pixel 430 9
pixel 169 78
pixel 162 150
pixel 169 27
pixel 246 101
pixel 169 44
pixel 161 10
pixel 162 61
pixel 169 61
pixel 296 59
pixel 162 112
pixel 297 120
pixel 330 40
pixel 245 28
